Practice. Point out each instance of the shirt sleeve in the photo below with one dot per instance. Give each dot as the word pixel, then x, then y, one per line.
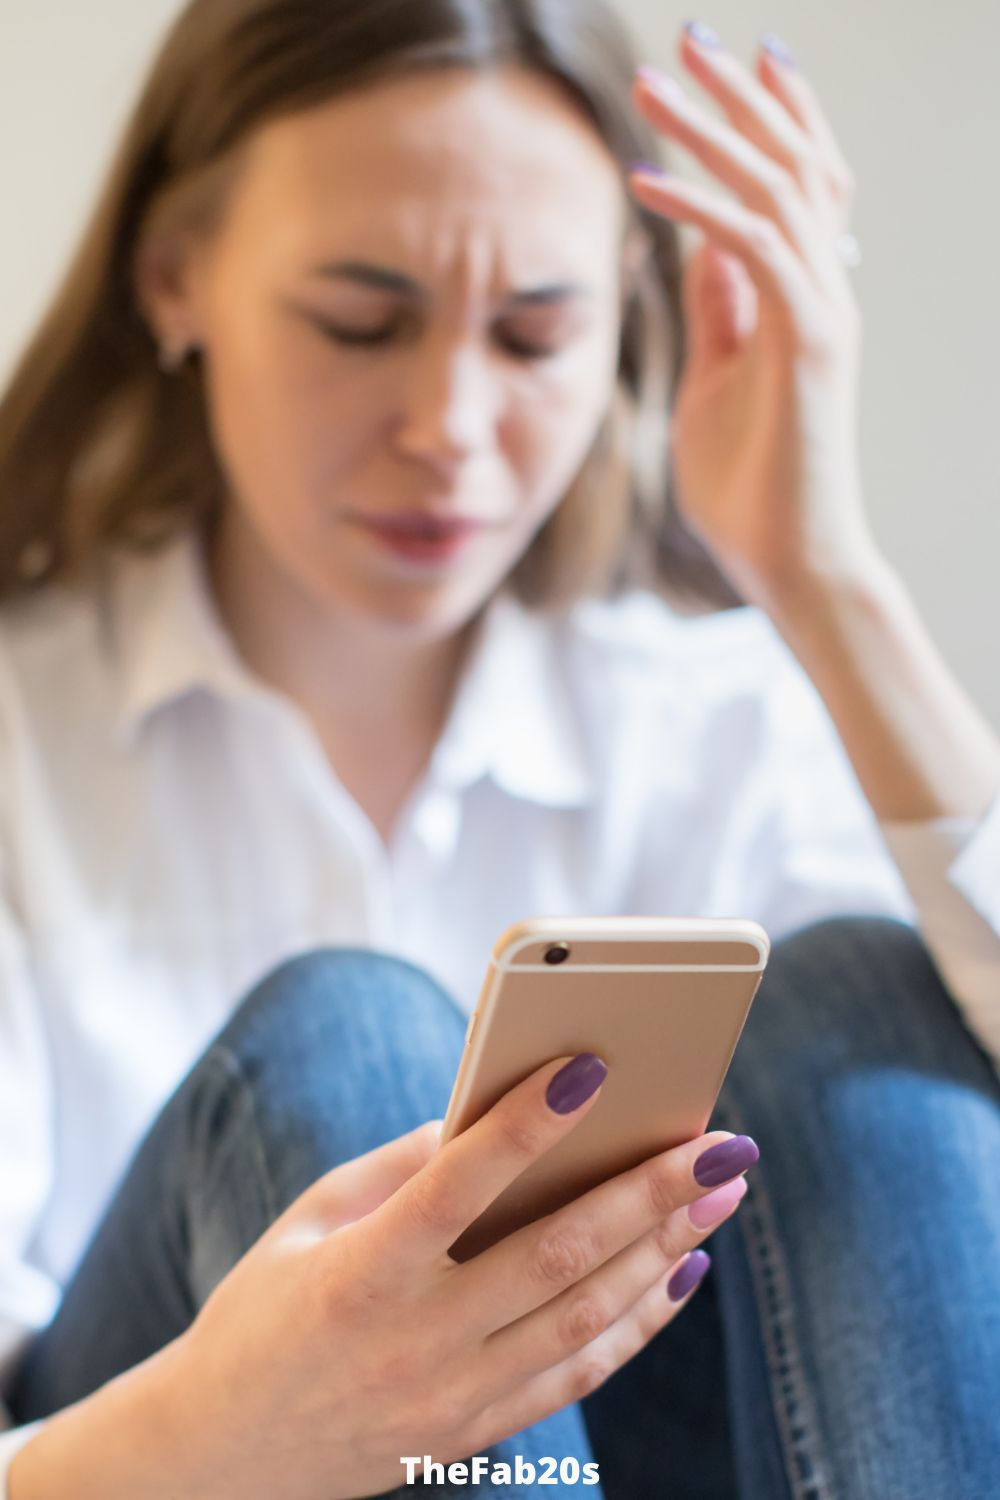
pixel 832 855
pixel 952 869
pixel 28 1294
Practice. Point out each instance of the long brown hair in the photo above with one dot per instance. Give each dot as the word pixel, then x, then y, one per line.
pixel 100 447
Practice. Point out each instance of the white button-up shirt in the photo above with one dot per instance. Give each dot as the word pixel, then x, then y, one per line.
pixel 170 829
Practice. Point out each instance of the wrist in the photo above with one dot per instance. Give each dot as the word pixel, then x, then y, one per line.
pixel 814 595
pixel 125 1442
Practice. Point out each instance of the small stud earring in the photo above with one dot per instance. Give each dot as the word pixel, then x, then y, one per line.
pixel 173 353
pixel 35 559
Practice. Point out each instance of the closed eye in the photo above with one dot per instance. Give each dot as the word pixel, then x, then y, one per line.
pixel 371 338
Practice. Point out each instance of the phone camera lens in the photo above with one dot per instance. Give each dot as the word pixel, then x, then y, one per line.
pixel 557 954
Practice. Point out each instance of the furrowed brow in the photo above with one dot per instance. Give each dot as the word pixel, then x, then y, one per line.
pixel 382 278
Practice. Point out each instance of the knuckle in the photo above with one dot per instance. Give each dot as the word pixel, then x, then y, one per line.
pixel 523 1139
pixel 762 235
pixel 585 1318
pixel 780 186
pixel 432 1205
pixel 560 1258
pixel 335 1295
pixel 392 1381
pixel 814 179
pixel 450 1412
pixel 665 1241
pixel 591 1371
pixel 661 1189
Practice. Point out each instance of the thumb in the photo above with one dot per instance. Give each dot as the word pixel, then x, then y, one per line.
pixel 359 1186
pixel 720 304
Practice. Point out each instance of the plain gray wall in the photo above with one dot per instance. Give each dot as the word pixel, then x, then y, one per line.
pixel 911 92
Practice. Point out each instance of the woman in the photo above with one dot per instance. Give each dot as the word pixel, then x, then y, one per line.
pixel 277 771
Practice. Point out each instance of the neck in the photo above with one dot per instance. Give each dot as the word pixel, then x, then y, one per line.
pixel 358 678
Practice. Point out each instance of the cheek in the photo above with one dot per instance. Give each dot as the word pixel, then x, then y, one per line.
pixel 286 419
pixel 553 427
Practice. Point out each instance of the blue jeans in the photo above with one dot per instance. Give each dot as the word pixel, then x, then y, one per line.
pixel 845 1344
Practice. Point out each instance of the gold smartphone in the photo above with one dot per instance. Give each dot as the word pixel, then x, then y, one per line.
pixel 662 1000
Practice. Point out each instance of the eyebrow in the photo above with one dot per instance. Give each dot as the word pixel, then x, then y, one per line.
pixel 386 280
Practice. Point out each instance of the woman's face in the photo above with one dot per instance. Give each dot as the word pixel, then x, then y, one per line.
pixel 483 375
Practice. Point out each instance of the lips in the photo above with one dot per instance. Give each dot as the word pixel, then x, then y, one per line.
pixel 422 540
pixel 423 523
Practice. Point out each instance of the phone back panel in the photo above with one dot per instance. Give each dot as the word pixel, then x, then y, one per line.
pixel 661 1000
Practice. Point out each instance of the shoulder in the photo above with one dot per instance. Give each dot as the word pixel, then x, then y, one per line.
pixel 55 665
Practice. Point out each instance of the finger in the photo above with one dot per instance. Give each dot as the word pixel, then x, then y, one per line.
pixel 757 179
pixel 797 94
pixel 357 1187
pixel 580 1315
pixel 585 1371
pixel 720 305
pixel 777 272
pixel 762 116
pixel 421 1221
pixel 533 1264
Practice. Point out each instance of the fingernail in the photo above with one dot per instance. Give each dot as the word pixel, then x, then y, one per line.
pixel 646 166
pixel 575 1082
pixel 661 83
pixel 687 1276
pixel 726 1160
pixel 776 47
pixel 702 34
pixel 716 1205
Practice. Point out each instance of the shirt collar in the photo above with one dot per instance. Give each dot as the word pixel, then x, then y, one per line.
pixel 512 715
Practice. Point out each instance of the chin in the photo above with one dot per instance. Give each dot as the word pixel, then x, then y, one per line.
pixel 419 610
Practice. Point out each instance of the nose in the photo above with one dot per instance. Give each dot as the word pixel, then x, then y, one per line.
pixel 450 402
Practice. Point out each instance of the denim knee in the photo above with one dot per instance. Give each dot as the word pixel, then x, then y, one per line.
pixel 326 995
pixel 331 1054
pixel 334 1044
pixel 862 990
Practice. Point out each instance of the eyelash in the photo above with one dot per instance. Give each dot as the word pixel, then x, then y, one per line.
pixel 381 336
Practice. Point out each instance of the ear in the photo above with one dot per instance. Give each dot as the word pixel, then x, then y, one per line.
pixel 635 252
pixel 164 284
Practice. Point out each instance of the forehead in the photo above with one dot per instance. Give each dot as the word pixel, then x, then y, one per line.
pixel 443 166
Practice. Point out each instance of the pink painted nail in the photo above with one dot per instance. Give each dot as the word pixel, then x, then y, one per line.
pixel 715 1205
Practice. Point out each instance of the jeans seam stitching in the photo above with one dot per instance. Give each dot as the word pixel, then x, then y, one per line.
pixel 797 1423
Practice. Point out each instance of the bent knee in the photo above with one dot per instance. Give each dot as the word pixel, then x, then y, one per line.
pixel 325 992
pixel 863 987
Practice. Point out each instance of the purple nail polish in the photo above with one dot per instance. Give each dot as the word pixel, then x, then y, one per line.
pixel 575 1082
pixel 702 34
pixel 646 166
pixel 688 1275
pixel 726 1160
pixel 777 49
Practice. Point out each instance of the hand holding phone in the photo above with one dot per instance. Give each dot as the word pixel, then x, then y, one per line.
pixel 662 1000
pixel 431 1356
